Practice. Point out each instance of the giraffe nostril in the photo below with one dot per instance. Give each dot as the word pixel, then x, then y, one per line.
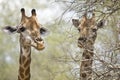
pixel 39 39
pixel 94 30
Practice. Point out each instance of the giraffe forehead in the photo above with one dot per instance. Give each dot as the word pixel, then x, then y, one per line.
pixel 31 23
pixel 87 22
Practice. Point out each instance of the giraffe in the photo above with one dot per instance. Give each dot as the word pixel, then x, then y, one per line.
pixel 30 31
pixel 88 32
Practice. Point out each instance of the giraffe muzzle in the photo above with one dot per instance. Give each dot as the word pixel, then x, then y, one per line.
pixel 38 43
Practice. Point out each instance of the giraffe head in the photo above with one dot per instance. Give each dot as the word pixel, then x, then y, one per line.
pixel 87 21
pixel 30 29
pixel 87 27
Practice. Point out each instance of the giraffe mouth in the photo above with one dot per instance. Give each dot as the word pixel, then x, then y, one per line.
pixel 39 45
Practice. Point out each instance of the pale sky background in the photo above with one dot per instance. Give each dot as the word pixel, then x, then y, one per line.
pixel 52 10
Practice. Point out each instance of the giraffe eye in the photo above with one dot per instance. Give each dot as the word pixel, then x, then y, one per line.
pixel 22 29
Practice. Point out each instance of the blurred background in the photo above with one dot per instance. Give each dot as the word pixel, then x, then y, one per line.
pixel 60 60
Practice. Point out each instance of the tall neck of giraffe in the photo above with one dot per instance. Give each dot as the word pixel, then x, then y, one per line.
pixel 87 59
pixel 24 59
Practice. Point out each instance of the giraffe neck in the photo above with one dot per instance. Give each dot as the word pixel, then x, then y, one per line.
pixel 87 59
pixel 24 60
pixel 86 65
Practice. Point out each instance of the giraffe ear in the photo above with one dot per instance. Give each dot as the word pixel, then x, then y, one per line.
pixel 101 24
pixel 43 31
pixel 76 22
pixel 9 29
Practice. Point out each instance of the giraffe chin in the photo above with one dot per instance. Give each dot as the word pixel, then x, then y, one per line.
pixel 40 47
